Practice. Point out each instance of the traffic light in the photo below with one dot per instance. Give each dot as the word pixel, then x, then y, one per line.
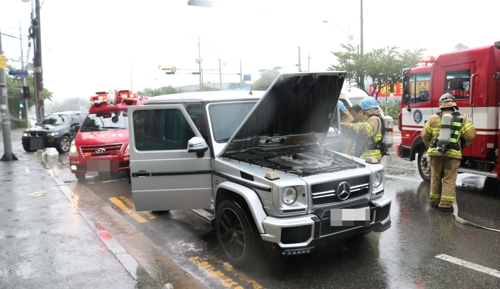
pixel 26 92
pixel 201 3
pixel 21 105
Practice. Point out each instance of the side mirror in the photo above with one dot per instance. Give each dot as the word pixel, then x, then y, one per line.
pixel 197 145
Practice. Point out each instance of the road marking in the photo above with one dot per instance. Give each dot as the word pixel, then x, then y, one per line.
pixel 469 265
pixel 122 206
pixel 130 203
pixel 226 281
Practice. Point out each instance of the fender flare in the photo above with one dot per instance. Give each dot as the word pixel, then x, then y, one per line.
pixel 250 197
pixel 414 147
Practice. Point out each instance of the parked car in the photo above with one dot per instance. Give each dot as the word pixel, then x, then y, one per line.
pixel 55 130
pixel 254 167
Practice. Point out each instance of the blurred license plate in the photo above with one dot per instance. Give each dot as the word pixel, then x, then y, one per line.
pixel 36 143
pixel 347 217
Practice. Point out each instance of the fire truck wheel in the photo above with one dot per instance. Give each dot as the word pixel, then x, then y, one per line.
pixel 64 144
pixel 424 164
pixel 235 233
pixel 80 177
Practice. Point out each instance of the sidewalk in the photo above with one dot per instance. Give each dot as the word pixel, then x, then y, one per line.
pixel 47 242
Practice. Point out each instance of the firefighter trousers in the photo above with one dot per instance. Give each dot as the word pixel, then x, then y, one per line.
pixel 443 178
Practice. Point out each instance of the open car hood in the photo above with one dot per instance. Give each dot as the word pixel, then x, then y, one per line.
pixel 295 110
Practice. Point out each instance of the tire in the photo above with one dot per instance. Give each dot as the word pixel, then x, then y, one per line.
pixel 63 145
pixel 80 177
pixel 235 233
pixel 424 164
pixel 27 149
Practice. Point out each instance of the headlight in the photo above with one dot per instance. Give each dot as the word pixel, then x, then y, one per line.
pixel 377 179
pixel 53 133
pixel 127 150
pixel 73 152
pixel 26 134
pixel 289 195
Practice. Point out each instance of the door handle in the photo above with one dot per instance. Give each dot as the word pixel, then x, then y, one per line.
pixel 141 174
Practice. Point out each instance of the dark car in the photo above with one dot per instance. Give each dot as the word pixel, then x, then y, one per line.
pixel 55 130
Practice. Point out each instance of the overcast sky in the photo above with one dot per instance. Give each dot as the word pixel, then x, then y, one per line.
pixel 94 45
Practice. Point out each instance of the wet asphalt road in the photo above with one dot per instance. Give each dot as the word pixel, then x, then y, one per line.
pixel 424 248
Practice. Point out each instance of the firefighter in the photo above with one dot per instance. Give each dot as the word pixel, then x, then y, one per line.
pixel 369 130
pixel 445 134
pixel 345 115
pixel 357 115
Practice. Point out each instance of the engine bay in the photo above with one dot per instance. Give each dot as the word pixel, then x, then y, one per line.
pixel 302 161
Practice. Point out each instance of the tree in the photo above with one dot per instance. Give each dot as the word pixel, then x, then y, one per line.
pixel 461 46
pixel 15 94
pixel 159 91
pixel 266 78
pixel 383 66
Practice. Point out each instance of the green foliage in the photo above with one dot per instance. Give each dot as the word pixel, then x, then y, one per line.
pixel 234 85
pixel 392 110
pixel 15 93
pixel 208 88
pixel 380 65
pixel 16 123
pixel 159 91
pixel 266 78
pixel 461 46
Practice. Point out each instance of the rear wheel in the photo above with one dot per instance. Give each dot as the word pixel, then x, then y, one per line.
pixel 424 164
pixel 63 145
pixel 235 233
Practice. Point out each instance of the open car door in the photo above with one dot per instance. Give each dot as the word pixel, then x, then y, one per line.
pixel 165 175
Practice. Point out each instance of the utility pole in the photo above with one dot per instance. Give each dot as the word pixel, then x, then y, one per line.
pixel 299 63
pixel 241 75
pixel 35 23
pixel 199 62
pixel 362 80
pixel 4 110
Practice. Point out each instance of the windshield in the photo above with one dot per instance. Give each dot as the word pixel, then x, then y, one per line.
pixel 55 119
pixel 105 121
pixel 227 117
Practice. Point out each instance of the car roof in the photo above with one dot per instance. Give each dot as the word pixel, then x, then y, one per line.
pixel 66 112
pixel 205 96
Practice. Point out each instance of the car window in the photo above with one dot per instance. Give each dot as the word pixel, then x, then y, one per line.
pixel 55 119
pixel 108 120
pixel 161 129
pixel 227 117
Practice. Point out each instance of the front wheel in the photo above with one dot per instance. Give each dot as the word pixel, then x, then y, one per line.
pixel 424 164
pixel 80 177
pixel 63 145
pixel 235 233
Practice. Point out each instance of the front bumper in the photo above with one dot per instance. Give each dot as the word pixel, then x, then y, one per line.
pixel 297 235
pixel 99 165
pixel 38 143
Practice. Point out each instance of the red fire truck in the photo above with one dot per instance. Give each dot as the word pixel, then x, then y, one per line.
pixel 473 77
pixel 101 146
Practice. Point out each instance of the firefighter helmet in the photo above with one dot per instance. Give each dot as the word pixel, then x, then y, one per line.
pixel 447 100
pixel 341 106
pixel 368 103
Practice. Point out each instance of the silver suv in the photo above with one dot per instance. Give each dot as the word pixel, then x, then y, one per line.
pixel 253 166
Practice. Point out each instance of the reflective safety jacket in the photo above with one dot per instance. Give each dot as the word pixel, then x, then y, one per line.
pixel 462 135
pixel 369 131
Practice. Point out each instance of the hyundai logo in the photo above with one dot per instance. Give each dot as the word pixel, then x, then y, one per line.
pixel 100 150
pixel 343 191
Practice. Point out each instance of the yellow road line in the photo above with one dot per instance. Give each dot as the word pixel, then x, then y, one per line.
pixel 131 204
pixel 226 281
pixel 122 206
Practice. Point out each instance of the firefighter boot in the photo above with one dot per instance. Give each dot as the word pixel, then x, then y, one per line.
pixel 446 206
pixel 434 202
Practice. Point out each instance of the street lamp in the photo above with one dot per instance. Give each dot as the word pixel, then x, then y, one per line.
pixel 349 36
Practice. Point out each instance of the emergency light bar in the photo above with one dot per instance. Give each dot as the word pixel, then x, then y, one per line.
pixel 126 97
pixel 427 59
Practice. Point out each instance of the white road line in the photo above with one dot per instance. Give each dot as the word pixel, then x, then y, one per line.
pixel 469 265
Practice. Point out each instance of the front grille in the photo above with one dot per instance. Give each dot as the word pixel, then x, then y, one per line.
pixel 326 193
pixel 295 234
pixel 100 151
pixel 37 133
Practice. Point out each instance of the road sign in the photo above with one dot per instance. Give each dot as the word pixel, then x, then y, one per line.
pixel 18 72
pixel 3 61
